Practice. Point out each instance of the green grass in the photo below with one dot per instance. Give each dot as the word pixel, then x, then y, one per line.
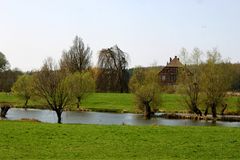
pixel 110 101
pixel 29 140
pixel 115 102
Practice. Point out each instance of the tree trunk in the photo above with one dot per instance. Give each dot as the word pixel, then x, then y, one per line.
pixel 147 112
pixel 4 110
pixel 59 114
pixel 223 109
pixel 26 102
pixel 196 110
pixel 78 102
pixel 214 111
pixel 206 111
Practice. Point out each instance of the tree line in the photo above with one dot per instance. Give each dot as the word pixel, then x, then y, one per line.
pixel 207 83
pixel 73 78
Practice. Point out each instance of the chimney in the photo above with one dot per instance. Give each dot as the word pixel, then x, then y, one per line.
pixel 170 59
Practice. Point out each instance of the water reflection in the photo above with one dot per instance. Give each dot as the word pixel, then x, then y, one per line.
pixel 107 118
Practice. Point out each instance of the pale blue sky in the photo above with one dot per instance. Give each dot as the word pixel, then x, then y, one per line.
pixel 150 31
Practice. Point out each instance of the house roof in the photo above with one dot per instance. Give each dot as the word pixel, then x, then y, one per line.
pixel 175 62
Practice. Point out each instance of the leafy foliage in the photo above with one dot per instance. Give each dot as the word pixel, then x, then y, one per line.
pixel 4 64
pixel 215 81
pixel 23 87
pixel 80 85
pixel 189 81
pixel 145 86
pixel 8 78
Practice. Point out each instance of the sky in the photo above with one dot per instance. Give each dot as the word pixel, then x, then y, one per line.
pixel 150 31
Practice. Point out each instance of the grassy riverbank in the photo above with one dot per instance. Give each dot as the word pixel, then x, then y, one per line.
pixel 29 140
pixel 115 102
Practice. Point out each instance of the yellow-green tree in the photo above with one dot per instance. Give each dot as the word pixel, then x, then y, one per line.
pixel 215 81
pixel 23 88
pixel 80 85
pixel 189 81
pixel 145 86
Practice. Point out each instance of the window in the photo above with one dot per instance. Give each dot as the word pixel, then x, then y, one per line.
pixel 163 77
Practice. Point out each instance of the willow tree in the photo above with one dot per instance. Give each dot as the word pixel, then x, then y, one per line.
pixel 189 81
pixel 215 81
pixel 77 58
pixel 23 88
pixel 80 84
pixel 50 84
pixel 113 63
pixel 145 86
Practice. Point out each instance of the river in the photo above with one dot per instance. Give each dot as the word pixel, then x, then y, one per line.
pixel 107 118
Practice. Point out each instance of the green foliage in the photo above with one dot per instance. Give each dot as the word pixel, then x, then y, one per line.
pixel 215 80
pixel 23 87
pixel 235 73
pixel 238 104
pixel 31 140
pixel 3 62
pixel 8 78
pixel 189 82
pixel 145 86
pixel 80 85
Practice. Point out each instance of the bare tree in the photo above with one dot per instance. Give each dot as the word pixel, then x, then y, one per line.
pixel 113 65
pixel 189 82
pixel 77 58
pixel 145 86
pixel 50 84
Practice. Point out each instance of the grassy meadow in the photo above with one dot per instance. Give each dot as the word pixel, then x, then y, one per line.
pixel 32 140
pixel 114 102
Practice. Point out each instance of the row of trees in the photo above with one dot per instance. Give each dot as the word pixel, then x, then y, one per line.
pixel 205 83
pixel 202 84
pixel 111 73
pixel 73 78
pixel 59 88
pixel 7 76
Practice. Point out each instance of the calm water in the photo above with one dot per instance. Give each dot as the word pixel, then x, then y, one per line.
pixel 107 118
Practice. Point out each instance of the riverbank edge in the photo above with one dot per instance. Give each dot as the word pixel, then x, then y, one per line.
pixel 225 118
pixel 114 110
pixel 169 115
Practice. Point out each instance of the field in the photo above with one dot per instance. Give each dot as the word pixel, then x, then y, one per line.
pixel 32 140
pixel 115 102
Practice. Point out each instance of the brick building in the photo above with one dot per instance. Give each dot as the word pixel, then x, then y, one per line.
pixel 168 75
